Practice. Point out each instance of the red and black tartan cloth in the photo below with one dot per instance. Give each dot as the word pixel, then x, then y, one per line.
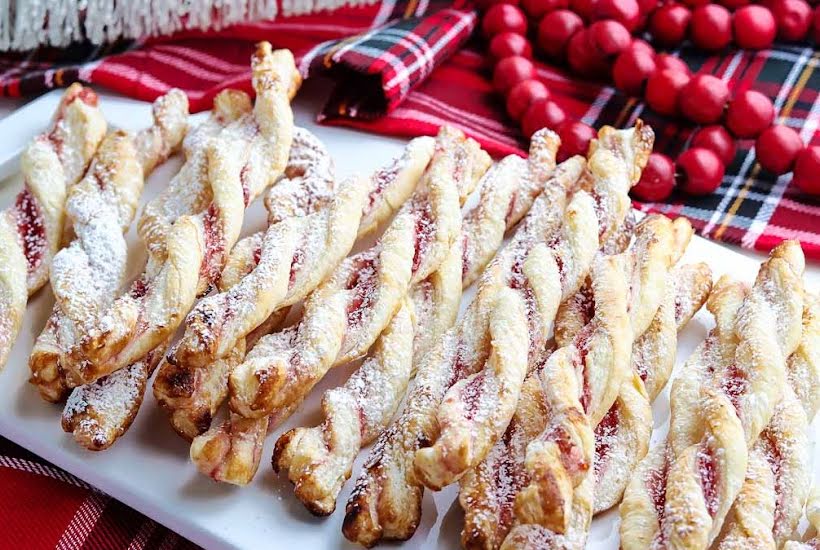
pixel 398 70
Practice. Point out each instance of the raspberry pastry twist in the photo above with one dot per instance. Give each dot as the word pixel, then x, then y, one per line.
pixel 91 406
pixel 32 230
pixel 574 379
pixel 347 312
pixel 291 259
pixel 386 502
pixel 294 257
pixel 245 158
pixel 213 452
pixel 86 275
pixel 306 190
pixel 706 477
pixel 768 508
pixel 622 436
pixel 770 504
pixel 643 507
pixel 718 411
pixel 319 460
pixel 549 274
pixel 596 330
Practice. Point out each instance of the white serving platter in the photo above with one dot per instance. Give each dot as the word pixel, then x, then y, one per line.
pixel 149 469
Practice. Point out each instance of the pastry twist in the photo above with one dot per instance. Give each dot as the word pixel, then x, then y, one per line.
pixel 573 380
pixel 309 183
pixel 86 275
pixel 191 396
pixel 622 436
pixel 32 230
pixel 386 501
pixel 426 221
pixel 732 389
pixel 245 158
pixel 643 506
pixel 319 460
pixel 542 477
pixel 347 312
pixel 544 276
pixel 91 410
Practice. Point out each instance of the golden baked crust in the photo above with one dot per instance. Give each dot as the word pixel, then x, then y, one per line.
pixel 549 273
pixel 241 161
pixel 87 274
pixel 32 230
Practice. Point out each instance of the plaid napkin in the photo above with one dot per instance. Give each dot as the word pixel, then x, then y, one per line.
pixel 402 58
pixel 42 506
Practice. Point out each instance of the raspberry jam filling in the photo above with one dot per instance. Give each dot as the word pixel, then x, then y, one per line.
pixel 465 255
pixel 31 229
pixel 774 456
pixel 423 235
pixel 580 364
pixel 707 468
pixel 362 282
pixel 295 264
pixel 605 433
pixel 246 190
pixel 471 395
pixel 734 384
pixel 572 457
pixel 214 245
pixel 380 181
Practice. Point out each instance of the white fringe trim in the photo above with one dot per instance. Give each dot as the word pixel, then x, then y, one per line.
pixel 27 24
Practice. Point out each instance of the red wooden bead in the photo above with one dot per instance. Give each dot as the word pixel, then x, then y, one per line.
pixel 486 4
pixel 626 12
pixel 702 100
pixel 807 170
pixel 510 71
pixel 507 44
pixel 669 23
pixel 749 113
pixel 609 37
pixel 657 179
pixel 754 27
pixel 584 8
pixel 575 137
pixel 816 25
pixel 711 27
pixel 777 147
pixel 555 30
pixel 503 18
pixel 734 4
pixel 523 94
pixel 666 61
pixel 648 6
pixel 632 68
pixel 701 169
pixel 583 57
pixel 716 139
pixel 538 8
pixel 793 19
pixel 542 113
pixel 663 89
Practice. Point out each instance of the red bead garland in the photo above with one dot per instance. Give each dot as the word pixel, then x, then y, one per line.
pixel 594 38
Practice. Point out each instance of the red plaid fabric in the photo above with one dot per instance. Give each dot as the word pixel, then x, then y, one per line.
pixel 43 507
